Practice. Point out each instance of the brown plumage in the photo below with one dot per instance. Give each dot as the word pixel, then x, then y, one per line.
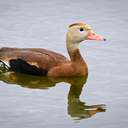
pixel 56 64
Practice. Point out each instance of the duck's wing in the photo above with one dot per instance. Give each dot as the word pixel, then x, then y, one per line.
pixel 39 58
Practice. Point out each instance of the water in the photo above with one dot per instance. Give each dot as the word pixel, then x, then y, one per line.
pixel 29 102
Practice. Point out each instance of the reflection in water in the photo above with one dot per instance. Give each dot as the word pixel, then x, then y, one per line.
pixel 76 108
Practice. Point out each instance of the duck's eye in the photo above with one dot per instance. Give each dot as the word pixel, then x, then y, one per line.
pixel 81 29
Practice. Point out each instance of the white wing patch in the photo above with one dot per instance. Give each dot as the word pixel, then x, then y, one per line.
pixel 6 63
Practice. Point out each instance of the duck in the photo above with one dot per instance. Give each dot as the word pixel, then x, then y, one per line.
pixel 43 62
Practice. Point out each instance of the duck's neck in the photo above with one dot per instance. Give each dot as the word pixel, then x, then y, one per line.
pixel 75 56
pixel 74 52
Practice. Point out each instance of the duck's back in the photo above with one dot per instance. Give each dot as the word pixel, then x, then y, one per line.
pixel 41 58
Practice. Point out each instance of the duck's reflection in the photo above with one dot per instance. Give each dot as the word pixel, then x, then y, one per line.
pixel 76 108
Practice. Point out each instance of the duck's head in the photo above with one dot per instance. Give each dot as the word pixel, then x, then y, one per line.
pixel 79 32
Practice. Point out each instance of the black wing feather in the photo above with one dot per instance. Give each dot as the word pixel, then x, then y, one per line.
pixel 21 66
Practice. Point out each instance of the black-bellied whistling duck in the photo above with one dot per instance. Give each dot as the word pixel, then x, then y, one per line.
pixel 37 61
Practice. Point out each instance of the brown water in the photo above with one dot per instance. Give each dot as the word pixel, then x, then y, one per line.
pixel 36 102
